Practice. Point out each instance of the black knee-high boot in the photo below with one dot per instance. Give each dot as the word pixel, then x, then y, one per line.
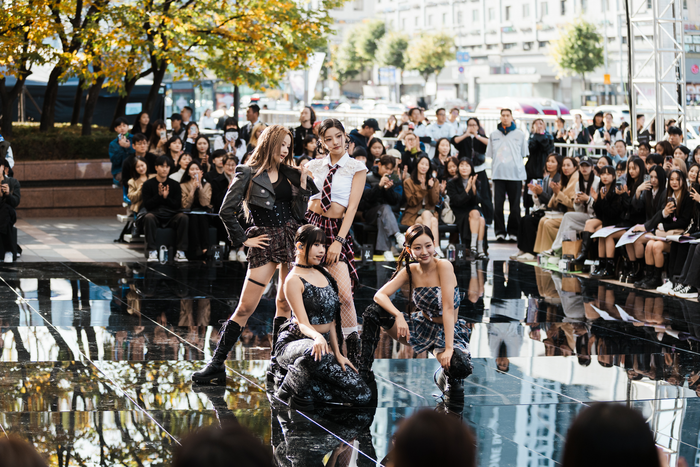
pixel 374 319
pixel 585 248
pixel 272 371
pixel 215 371
pixel 352 343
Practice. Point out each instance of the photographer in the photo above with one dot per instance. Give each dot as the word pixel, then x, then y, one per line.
pixel 376 205
pixel 472 145
pixel 9 200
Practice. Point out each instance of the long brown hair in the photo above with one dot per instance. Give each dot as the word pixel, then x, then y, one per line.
pixel 266 155
pixel 405 260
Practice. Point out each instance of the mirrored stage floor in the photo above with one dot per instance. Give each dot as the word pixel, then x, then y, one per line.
pixel 96 359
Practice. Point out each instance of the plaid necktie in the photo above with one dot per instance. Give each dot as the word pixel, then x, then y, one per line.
pixel 326 193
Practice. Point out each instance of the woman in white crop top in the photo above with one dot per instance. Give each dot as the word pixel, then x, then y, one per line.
pixel 335 215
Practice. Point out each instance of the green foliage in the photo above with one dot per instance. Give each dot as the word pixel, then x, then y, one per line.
pixel 346 63
pixel 578 49
pixel 428 53
pixel 367 40
pixel 63 142
pixel 391 50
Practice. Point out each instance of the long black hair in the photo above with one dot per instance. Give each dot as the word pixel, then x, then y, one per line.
pixel 640 178
pixel 609 169
pixel 429 173
pixel 684 186
pixel 566 178
pixel 654 204
pixel 196 151
pixel 405 259
pixel 308 235
pixel 186 176
pixel 326 125
pixel 169 143
pixel 583 185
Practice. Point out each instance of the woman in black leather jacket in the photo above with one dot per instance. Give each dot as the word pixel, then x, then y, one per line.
pixel 275 195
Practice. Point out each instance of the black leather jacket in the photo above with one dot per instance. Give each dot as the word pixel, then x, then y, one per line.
pixel 262 195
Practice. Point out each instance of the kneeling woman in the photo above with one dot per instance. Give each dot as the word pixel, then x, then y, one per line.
pixel 431 323
pixel 309 361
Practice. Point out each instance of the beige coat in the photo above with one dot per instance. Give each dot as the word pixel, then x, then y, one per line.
pixel 134 193
pixel 189 192
pixel 415 194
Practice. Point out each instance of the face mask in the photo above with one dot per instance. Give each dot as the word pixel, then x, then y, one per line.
pixel 231 135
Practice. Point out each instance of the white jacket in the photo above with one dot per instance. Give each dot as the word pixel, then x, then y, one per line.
pixel 507 153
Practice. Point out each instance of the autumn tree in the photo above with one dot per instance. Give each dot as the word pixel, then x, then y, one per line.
pixel 428 54
pixel 578 50
pixel 367 40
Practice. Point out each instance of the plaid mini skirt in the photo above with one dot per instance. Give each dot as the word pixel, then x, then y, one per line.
pixel 280 248
pixel 428 336
pixel 331 227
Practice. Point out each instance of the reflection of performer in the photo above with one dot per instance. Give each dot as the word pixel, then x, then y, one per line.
pixel 434 326
pixel 276 195
pixel 307 351
pixel 341 181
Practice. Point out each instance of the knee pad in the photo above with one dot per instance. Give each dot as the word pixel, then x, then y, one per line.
pixel 460 365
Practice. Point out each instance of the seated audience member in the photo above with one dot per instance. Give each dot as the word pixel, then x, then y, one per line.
pixel 452 168
pixel 681 152
pixel 688 280
pixel 654 159
pixel 162 199
pixel 140 145
pixel 675 137
pixel 583 208
pixel 649 198
pixel 202 153
pixel 664 148
pixel 644 150
pixel 610 435
pixel 16 452
pixel 196 197
pixel 422 192
pixel 443 149
pixel 217 165
pixel 696 155
pixel 219 187
pixel 173 150
pixel 186 113
pixel 603 161
pixel 463 192
pixel 411 154
pixel 158 139
pixel 311 146
pixel 607 206
pixel 431 438
pixel 9 200
pixel 302 161
pixel 120 148
pixel 693 171
pixel 177 126
pixel 139 175
pixel 231 141
pixel 673 219
pixel 376 206
pixel 182 163
pixel 192 132
pixel 562 200
pixel 215 447
pixel 376 149
pixel 541 193
pixel 361 155
pixel 142 125
pixel 621 171
pixel 254 135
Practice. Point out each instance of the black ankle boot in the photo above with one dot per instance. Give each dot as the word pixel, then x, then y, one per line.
pixel 580 260
pixel 609 269
pixel 648 275
pixel 599 270
pixel 637 272
pixel 655 280
pixel 215 371
pixel 291 391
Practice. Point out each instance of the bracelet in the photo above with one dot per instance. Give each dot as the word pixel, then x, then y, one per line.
pixel 340 240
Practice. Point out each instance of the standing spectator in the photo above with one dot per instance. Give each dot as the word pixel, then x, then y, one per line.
pixel 255 136
pixel 186 113
pixel 138 178
pixel 158 139
pixel 607 134
pixel 578 134
pixel 643 135
pixel 419 127
pixel 643 151
pixel 9 200
pixel 596 125
pixel 412 152
pixel 231 141
pixel 440 129
pixel 142 125
pixel 307 118
pixel 560 135
pixel 507 148
pixel 620 151
pixel 177 126
pixel 472 145
pixel 454 120
pixel 196 197
pixel 675 136
pixel 392 129
pixel 120 148
pixel 162 199
pixel 192 132
pixel 311 147
pixel 253 117
pixel 6 152
pixel 422 195
pixel 202 153
pixel 540 145
pixel 681 152
pixel 207 121
pixel 361 137
pixel 376 205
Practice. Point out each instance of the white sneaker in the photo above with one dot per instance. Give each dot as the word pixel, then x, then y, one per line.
pixel 241 256
pixel 676 289
pixel 232 255
pixel 512 238
pixel 8 257
pixel 400 239
pixel 439 252
pixel 554 260
pixel 180 256
pixel 389 256
pixel 517 255
pixel 688 292
pixel 527 257
pixel 666 288
pixel 152 256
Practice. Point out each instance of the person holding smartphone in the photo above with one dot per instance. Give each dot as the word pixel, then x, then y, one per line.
pixel 196 197
pixel 377 203
pixel 9 200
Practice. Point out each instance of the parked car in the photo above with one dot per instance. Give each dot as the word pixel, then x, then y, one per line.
pixel 523 105
pixel 347 107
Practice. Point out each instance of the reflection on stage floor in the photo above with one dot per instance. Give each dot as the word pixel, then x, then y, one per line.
pixel 96 362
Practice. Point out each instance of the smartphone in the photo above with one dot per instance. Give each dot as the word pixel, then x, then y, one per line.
pixel 671 199
pixel 618 184
pixel 395 179
pixel 647 177
pixel 196 177
pixel 163 133
pixel 669 158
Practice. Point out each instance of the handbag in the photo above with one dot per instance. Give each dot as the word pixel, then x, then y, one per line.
pixel 447 216
pixel 571 247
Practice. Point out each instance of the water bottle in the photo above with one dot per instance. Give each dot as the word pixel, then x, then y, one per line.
pixel 451 253
pixel 163 254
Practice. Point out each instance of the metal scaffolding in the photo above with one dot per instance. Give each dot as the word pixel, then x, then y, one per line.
pixel 656 55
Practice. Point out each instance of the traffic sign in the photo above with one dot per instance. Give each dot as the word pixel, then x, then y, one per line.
pixel 606 79
pixel 461 69
pixel 463 57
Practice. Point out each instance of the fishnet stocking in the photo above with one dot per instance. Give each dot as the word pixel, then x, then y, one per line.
pixel 348 316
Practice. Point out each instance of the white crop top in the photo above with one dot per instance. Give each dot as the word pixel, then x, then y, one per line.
pixel 342 179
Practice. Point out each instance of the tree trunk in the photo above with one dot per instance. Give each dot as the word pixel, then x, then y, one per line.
pixel 8 102
pixel 120 111
pixel 237 102
pixel 90 104
pixel 77 103
pixel 48 110
pixel 158 76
